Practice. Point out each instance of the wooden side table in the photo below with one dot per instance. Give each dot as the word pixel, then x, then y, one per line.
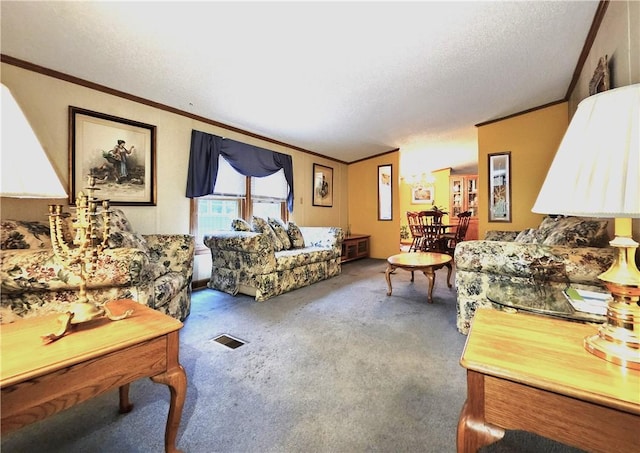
pixel 532 373
pixel 39 380
pixel 355 247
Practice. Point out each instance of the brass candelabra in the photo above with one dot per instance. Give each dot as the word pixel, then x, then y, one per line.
pixel 82 249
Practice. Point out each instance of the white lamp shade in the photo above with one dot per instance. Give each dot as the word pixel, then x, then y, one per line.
pixel 26 169
pixel 596 170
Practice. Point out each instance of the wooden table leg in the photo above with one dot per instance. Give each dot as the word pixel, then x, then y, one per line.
pixel 473 432
pixel 125 404
pixel 430 274
pixel 387 275
pixel 449 268
pixel 176 380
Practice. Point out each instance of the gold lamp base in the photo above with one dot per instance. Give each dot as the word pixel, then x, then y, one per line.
pixel 618 340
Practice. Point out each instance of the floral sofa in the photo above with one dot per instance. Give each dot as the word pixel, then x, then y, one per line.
pixel 155 270
pixel 570 250
pixel 267 258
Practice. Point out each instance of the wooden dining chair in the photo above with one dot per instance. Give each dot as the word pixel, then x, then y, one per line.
pixel 451 239
pixel 432 230
pixel 416 229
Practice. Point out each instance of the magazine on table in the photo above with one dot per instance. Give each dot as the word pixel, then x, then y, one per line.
pixel 587 301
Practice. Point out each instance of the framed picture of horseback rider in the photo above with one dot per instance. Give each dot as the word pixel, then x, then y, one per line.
pixel 119 154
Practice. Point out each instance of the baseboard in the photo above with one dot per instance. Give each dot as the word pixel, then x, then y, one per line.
pixel 199 284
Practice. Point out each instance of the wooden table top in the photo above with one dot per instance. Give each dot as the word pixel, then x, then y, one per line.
pixel 548 354
pixel 24 356
pixel 419 259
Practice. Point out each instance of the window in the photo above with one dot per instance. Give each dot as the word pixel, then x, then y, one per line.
pixel 237 196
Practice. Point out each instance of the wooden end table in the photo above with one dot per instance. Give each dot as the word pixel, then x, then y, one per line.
pixel 530 372
pixel 425 262
pixel 38 380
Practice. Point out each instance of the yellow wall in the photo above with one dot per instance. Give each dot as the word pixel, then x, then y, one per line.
pixel 532 139
pixel 363 205
pixel 441 186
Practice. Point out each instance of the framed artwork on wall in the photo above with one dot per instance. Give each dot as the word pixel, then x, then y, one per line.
pixel 601 79
pixel 500 187
pixel 385 199
pixel 322 186
pixel 119 153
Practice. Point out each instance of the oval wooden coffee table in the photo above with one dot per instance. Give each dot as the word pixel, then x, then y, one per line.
pixel 425 262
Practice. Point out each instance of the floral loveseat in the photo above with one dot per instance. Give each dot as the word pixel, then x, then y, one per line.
pixel 571 250
pixel 155 270
pixel 267 258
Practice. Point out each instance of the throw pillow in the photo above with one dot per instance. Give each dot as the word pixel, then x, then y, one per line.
pixel 117 221
pixel 240 225
pixel 573 232
pixel 260 225
pixel 295 235
pixel 125 239
pixel 281 231
pixel 527 236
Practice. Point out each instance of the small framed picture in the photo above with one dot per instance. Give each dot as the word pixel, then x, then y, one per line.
pixel 500 187
pixel 423 194
pixel 322 186
pixel 119 153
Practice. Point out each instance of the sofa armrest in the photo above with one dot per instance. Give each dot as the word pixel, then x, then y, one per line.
pixel 175 252
pixel 581 264
pixel 40 270
pixel 242 250
pixel 325 237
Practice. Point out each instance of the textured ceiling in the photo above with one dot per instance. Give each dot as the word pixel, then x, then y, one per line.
pixel 346 80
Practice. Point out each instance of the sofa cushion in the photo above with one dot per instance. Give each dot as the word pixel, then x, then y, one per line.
pixel 573 231
pixel 290 259
pixel 295 235
pixel 240 225
pixel 260 225
pixel 281 231
pixel 16 234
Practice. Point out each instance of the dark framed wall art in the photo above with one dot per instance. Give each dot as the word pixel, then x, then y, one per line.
pixel 385 192
pixel 119 153
pixel 322 186
pixel 500 187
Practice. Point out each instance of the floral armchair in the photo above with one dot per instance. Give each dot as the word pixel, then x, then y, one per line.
pixel 156 270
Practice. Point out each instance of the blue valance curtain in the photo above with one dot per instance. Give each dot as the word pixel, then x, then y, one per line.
pixel 248 160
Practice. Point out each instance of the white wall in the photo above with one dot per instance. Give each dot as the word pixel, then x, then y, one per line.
pixel 619 38
pixel 45 101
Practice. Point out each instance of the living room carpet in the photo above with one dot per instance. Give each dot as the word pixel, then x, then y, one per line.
pixel 337 366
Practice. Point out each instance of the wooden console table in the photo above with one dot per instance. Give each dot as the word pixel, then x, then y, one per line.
pixel 532 373
pixel 355 246
pixel 39 380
